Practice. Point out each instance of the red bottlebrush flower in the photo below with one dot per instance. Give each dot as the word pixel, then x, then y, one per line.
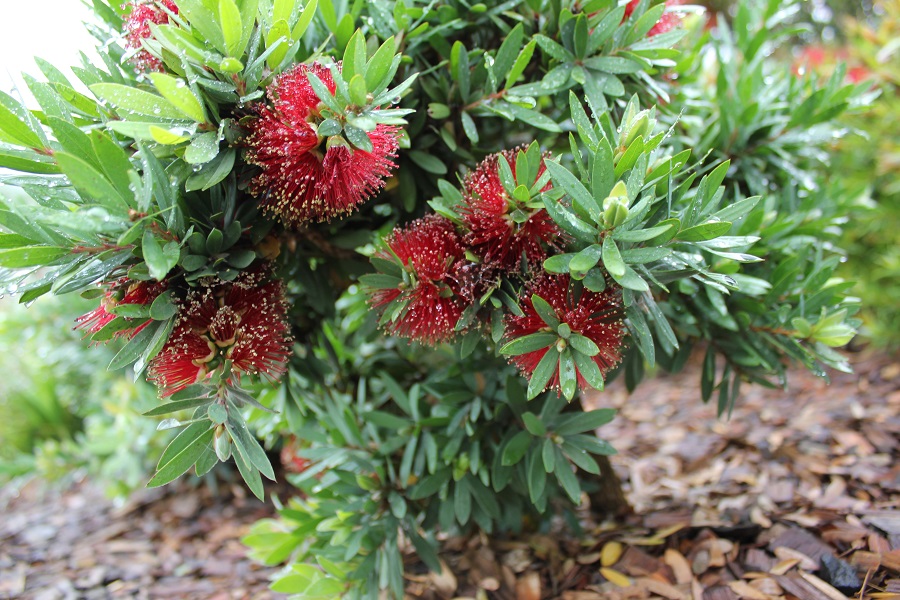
pixel 137 28
pixel 430 249
pixel 243 321
pixel 597 316
pixel 494 233
pixel 858 74
pixel 667 22
pixel 289 458
pixel 303 177
pixel 124 291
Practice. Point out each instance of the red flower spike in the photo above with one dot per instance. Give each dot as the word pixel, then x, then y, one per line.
pixel 598 316
pixel 123 291
pixel 493 234
pixel 302 177
pixel 243 321
pixel 137 28
pixel 430 250
pixel 292 462
pixel 667 22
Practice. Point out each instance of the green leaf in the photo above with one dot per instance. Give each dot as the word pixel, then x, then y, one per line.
pixel 212 172
pixel 612 259
pixel 532 117
pixel 202 149
pixel 571 424
pixel 202 16
pixel 567 478
pixel 14 240
pixel 358 138
pixel 246 444
pixel 114 163
pixel 583 345
pixel 26 160
pixel 133 100
pixel 580 458
pixel 131 351
pixel 324 93
pixel 277 43
pixel 548 455
pixel 462 501
pixel 516 448
pixel 183 460
pixel 543 373
pixel 179 405
pixel 521 64
pixel 568 382
pixel 580 195
pixel 569 222
pixel 536 475
pixel 558 263
pixel 358 90
pixel 639 256
pixel 160 260
pixel 163 307
pixel 354 60
pixel 641 333
pixel 613 64
pixel 14 125
pixel 378 69
pixel 250 475
pixel 232 27
pixel 428 162
pixel 546 312
pixel 469 127
pixel 30 256
pixel 529 343
pixel 217 413
pixel 179 94
pixel 705 231
pixel 631 280
pixel 90 182
pixel 533 424
pixel 306 17
pixel 584 261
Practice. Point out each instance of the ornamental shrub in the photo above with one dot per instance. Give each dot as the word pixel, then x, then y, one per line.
pixel 400 240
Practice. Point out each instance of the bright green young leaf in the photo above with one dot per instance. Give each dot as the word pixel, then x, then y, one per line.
pixel 232 27
pixel 133 100
pixel 179 94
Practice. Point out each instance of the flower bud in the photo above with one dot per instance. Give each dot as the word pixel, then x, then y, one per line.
pixel 615 206
pixel 231 65
pixel 222 443
pixel 461 466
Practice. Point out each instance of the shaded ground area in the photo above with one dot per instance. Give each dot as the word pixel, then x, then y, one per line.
pixel 182 542
pixel 797 496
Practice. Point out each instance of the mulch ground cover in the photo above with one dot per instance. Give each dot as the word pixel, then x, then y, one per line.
pixel 796 496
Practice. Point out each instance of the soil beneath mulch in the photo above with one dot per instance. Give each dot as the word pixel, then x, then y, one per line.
pixel 796 496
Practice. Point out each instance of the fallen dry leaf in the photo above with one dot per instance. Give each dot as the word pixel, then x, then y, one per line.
pixel 610 553
pixel 615 577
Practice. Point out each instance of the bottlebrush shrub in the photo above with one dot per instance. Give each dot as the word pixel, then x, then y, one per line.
pixel 406 236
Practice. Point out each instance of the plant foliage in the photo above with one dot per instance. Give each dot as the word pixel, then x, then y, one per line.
pixel 568 191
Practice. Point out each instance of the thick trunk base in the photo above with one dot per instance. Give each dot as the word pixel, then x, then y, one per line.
pixel 607 496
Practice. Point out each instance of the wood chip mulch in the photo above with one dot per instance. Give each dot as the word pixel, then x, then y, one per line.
pixel 797 496
pixel 179 542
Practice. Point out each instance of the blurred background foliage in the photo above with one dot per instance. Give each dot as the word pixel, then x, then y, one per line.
pixel 65 415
